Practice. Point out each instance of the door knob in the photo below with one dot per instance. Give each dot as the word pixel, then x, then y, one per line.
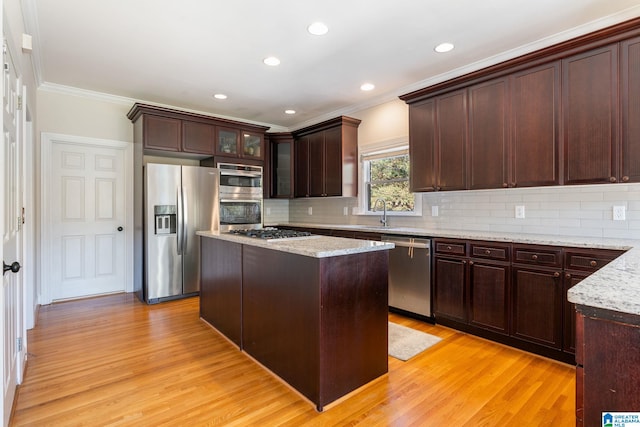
pixel 14 267
pixel 120 228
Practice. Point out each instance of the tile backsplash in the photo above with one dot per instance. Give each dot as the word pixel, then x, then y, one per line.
pixel 585 210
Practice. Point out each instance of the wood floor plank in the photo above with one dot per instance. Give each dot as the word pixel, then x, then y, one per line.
pixel 113 361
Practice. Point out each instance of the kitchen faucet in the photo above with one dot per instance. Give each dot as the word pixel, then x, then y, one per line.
pixel 383 220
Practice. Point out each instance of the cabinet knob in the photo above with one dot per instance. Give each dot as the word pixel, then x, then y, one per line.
pixel 488 252
pixel 567 276
pixel 625 179
pixel 534 257
pixel 438 188
pixel 448 248
pixel 514 184
pixel 556 274
pixel 593 263
pixel 505 185
pixel 464 262
pixel 612 179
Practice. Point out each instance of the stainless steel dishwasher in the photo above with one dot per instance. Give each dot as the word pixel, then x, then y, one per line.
pixel 410 275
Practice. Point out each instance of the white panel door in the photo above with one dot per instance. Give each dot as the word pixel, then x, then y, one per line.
pixel 87 208
pixel 10 185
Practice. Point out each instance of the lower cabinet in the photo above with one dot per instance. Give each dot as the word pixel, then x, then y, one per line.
pixel 512 293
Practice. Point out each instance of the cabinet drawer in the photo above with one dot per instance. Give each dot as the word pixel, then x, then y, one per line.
pixel 499 252
pixel 588 260
pixel 538 255
pixel 451 247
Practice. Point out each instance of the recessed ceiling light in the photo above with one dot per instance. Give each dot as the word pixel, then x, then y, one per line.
pixel 318 29
pixel 272 61
pixel 367 87
pixel 289 111
pixel 444 47
pixel 220 96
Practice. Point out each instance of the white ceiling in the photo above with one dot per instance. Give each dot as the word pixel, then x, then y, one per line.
pixel 180 53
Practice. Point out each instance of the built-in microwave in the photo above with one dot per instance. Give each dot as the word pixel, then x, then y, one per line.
pixel 239 197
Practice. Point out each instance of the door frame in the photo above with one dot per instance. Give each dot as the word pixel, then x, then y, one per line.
pixel 47 140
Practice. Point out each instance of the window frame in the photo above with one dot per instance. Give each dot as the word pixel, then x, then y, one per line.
pixel 377 151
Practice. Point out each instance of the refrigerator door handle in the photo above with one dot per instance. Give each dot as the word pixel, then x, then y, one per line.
pixel 180 219
pixel 185 219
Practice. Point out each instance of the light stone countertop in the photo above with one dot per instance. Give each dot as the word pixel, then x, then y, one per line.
pixel 312 246
pixel 615 287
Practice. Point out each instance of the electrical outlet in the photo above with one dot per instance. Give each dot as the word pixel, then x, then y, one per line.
pixel 619 213
pixel 268 211
pixel 520 211
pixel 434 211
pixel 310 210
pixel 345 211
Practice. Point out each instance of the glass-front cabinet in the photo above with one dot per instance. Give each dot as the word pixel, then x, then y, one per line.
pixel 227 141
pixel 281 165
pixel 251 145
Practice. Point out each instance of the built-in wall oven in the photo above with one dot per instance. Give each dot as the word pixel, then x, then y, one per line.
pixel 239 195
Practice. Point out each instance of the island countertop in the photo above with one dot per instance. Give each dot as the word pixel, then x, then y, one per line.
pixel 311 246
pixel 614 287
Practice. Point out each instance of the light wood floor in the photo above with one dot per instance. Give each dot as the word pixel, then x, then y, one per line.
pixel 114 361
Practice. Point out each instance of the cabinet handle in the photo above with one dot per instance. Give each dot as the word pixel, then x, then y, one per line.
pixel 625 179
pixel 534 257
pixel 556 274
pixel 612 179
pixel 488 252
pixel 593 263
pixel 567 276
pixel 470 262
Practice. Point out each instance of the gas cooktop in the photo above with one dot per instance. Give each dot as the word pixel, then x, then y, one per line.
pixel 271 233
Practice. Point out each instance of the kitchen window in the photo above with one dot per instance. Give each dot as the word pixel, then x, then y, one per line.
pixel 385 175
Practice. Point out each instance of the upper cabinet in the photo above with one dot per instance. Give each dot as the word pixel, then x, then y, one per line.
pixel 590 116
pixel 326 159
pixel 169 132
pixel 567 114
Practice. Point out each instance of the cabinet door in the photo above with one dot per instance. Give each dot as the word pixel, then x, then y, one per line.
pixel 251 145
pixel 630 86
pixel 198 137
pixel 451 146
pixel 316 164
pixel 535 104
pixel 281 166
pixel 537 306
pixel 488 296
pixel 227 141
pixel 301 183
pixel 590 116
pixel 333 162
pixel 161 133
pixel 488 134
pixel 449 289
pixel 422 146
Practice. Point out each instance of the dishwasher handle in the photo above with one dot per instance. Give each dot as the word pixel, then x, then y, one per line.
pixel 417 244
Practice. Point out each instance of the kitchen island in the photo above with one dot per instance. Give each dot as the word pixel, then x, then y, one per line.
pixel 312 310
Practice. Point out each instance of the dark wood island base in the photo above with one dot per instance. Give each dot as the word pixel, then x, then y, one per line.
pixel 320 324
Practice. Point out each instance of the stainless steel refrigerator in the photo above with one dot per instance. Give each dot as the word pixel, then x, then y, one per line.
pixel 179 200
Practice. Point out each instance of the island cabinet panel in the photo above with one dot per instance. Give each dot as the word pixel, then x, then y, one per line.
pixel 221 287
pixel 488 134
pixel 630 88
pixel 535 109
pixel 590 116
pixel 608 371
pixel 318 323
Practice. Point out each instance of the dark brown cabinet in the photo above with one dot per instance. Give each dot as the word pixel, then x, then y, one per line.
pixel 472 288
pixel 280 165
pixel 422 142
pixel 630 88
pixel 198 137
pixel 608 371
pixel 590 112
pixel 535 130
pixel 326 161
pixel 167 132
pixel 161 133
pixel 488 134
